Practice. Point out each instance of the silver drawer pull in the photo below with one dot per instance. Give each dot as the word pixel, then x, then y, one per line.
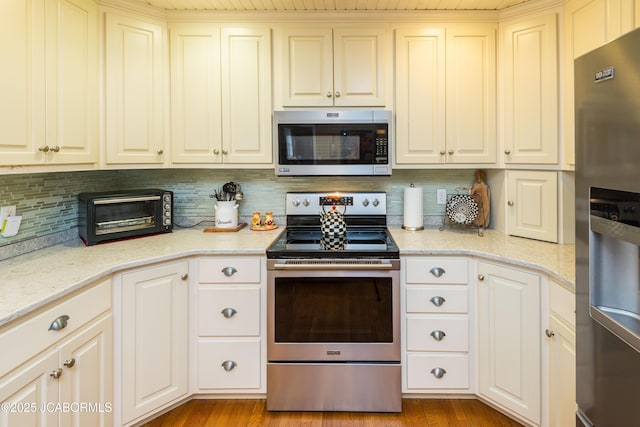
pixel 228 312
pixel 229 271
pixel 438 335
pixel 55 374
pixel 437 271
pixel 228 365
pixel 70 363
pixel 437 301
pixel 59 323
pixel 438 372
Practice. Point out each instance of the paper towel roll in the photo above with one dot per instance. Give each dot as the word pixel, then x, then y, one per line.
pixel 412 219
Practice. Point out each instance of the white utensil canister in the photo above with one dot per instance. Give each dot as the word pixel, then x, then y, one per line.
pixel 226 214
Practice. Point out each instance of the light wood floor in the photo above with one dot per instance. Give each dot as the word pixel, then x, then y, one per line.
pixel 415 413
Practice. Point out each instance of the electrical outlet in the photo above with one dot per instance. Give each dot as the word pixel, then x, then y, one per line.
pixel 441 196
pixel 5 212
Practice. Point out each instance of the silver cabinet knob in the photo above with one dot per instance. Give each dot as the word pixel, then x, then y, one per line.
pixel 228 365
pixel 437 271
pixel 59 323
pixel 229 271
pixel 329 94
pixel 185 276
pixel 480 277
pixel 450 151
pixel 56 374
pixel 228 312
pixel 44 149
pixel 507 151
pixel 510 203
pixel 225 152
pixel 337 94
pixel 69 363
pixel 549 333
pixel 437 301
pixel 442 152
pixel 438 372
pixel 55 148
pixel 160 151
pixel 216 151
pixel 438 335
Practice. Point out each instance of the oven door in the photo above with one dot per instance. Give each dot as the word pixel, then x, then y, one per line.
pixel 333 315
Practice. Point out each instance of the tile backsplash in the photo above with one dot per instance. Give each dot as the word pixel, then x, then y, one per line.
pixel 48 201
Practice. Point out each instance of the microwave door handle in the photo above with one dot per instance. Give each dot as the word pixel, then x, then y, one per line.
pixel 125 200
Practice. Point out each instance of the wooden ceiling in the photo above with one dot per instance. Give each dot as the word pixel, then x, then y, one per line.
pixel 331 5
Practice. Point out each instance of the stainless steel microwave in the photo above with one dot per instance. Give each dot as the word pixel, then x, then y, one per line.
pixel 123 214
pixel 329 142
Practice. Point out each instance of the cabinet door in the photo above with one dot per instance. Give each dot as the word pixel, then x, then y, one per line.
pixel 562 373
pixel 307 67
pixel 196 118
pixel 471 93
pixel 246 95
pixel 22 79
pixel 420 95
pixel 532 204
pixel 87 363
pixel 72 81
pixel 134 89
pixel 154 338
pixel 531 91
pixel 509 338
pixel 25 392
pixel 358 67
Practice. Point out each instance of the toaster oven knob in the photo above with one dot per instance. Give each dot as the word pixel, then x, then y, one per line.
pixel 167 206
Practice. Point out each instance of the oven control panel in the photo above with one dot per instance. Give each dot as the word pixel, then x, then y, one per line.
pixel 355 203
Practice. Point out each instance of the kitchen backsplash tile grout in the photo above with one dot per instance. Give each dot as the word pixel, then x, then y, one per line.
pixel 48 201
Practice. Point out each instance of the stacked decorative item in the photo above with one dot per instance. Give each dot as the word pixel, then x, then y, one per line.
pixel 333 228
pixel 470 209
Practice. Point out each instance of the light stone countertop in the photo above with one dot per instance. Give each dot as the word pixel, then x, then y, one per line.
pixel 31 281
pixel 558 261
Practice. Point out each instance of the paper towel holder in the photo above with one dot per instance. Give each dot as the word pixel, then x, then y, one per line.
pixel 416 228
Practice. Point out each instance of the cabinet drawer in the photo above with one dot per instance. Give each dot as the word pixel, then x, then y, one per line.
pixel 437 299
pixel 436 270
pixel 422 333
pixel 245 360
pixel 229 311
pixel 229 270
pixel 422 371
pixel 30 337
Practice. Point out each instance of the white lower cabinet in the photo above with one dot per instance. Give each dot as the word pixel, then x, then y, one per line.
pixel 509 359
pixel 436 326
pixel 561 353
pixel 153 331
pixel 230 352
pixel 67 365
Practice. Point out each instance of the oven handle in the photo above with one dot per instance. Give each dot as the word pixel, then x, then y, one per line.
pixel 125 200
pixel 329 266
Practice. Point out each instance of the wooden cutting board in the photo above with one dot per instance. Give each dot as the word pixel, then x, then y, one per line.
pixel 225 230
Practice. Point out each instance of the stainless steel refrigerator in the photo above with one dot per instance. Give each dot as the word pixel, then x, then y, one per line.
pixel 607 108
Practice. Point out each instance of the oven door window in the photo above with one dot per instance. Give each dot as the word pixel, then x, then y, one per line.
pixel 333 309
pixel 124 216
pixel 327 144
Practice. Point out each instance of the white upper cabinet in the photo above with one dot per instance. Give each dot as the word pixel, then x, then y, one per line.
pixel 324 67
pixel 134 90
pixel 220 94
pixel 49 91
pixel 445 94
pixel 530 88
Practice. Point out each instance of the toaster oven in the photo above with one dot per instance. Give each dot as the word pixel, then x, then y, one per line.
pixel 106 216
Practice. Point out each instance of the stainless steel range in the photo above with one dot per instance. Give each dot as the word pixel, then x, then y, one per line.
pixel 333 309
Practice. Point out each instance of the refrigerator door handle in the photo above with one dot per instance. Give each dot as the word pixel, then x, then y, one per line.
pixel 582 420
